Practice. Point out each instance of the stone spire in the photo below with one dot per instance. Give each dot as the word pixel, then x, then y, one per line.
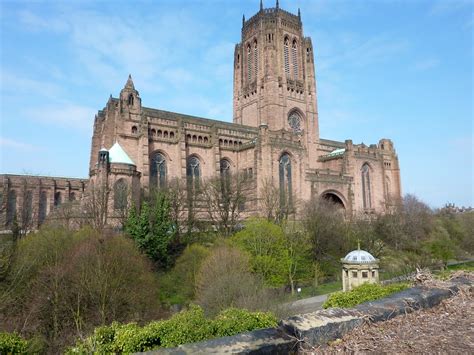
pixel 299 13
pixel 129 83
pixel 261 5
pixel 243 20
pixel 278 4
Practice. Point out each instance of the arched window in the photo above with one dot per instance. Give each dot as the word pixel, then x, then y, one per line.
pixel 285 181
pixel 153 132
pixel 286 55
pixel 130 100
pixel 27 214
pixel 224 167
pixel 120 195
pixel 249 63
pixel 171 135
pixel 165 134
pixel 294 121
pixel 57 199
pixel 294 55
pixel 366 193
pixel 193 172
pixel 43 203
pixel 255 59
pixel 134 129
pixel 158 171
pixel 11 206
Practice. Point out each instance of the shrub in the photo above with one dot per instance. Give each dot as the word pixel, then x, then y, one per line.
pixel 234 321
pixel 185 327
pixel 12 343
pixel 363 293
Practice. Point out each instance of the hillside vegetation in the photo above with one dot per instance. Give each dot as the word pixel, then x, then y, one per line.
pixel 59 286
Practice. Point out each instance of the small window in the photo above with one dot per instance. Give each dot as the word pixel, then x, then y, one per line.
pixel 165 134
pixel 250 174
pixel 153 132
pixel 373 273
pixel 134 129
pixel 206 140
pixel 130 100
pixel 365 274
pixel 354 274
pixel 200 139
pixel 171 135
pixel 160 133
pixel 72 196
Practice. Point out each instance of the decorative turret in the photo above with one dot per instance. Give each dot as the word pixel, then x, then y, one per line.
pixel 130 100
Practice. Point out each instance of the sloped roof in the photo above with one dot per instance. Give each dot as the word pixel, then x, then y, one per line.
pixel 118 155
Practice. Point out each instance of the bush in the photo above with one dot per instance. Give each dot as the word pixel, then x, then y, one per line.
pixel 185 327
pixel 234 321
pixel 12 343
pixel 363 293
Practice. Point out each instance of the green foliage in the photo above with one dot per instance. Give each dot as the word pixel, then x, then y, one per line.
pixel 178 285
pixel 65 283
pixel 153 229
pixel 12 343
pixel 440 245
pixel 185 327
pixel 363 293
pixel 234 321
pixel 265 242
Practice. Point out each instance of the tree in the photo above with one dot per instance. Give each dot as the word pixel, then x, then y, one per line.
pixel 223 198
pixel 298 263
pixel 64 283
pixel 152 229
pixel 225 280
pixel 440 246
pixel 266 243
pixel 179 285
pixel 327 230
pixel 96 205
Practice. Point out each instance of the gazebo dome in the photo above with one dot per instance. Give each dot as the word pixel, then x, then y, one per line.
pixel 359 257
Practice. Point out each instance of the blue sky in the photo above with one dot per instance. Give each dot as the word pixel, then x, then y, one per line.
pixel 396 69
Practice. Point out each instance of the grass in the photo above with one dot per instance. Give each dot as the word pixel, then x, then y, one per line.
pixel 444 274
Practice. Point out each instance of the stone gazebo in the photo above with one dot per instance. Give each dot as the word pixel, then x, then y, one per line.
pixel 359 267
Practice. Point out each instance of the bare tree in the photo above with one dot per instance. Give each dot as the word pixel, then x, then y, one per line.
pixel 177 196
pixel 223 198
pixel 96 207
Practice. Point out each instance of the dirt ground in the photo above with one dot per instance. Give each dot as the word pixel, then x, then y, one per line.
pixel 445 329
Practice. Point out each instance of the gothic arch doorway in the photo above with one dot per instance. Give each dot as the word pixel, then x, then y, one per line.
pixel 333 197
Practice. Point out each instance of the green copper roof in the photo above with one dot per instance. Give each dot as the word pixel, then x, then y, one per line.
pixel 118 155
pixel 337 152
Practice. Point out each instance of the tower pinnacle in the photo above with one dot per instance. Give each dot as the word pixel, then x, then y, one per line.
pixel 129 83
pixel 261 5
pixel 277 4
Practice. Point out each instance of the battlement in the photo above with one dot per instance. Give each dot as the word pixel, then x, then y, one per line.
pixel 272 14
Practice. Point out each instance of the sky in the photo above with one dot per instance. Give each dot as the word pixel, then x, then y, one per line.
pixel 384 68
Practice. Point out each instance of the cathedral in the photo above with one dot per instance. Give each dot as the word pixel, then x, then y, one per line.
pixel 274 138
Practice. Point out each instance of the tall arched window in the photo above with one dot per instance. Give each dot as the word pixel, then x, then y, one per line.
pixel 158 171
pixel 130 100
pixel 11 206
pixel 120 195
pixel 285 181
pixel 249 63
pixel 193 172
pixel 27 214
pixel 43 204
pixel 255 59
pixel 286 55
pixel 366 193
pixel 294 56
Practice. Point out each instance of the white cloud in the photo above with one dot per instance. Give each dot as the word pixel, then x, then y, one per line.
pixel 70 116
pixel 12 83
pixel 18 145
